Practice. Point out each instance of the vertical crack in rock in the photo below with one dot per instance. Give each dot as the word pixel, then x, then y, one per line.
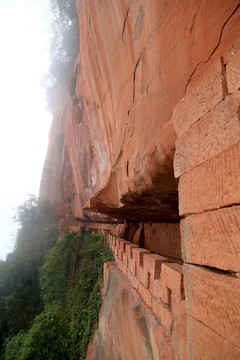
pixel 124 23
pixel 134 77
pixel 219 39
pixel 224 73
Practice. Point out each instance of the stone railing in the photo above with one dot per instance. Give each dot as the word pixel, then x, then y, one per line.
pixel 158 281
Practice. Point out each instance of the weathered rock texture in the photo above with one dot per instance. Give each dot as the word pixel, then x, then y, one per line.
pixel 134 68
pixel 207 161
pixel 139 334
pixel 151 134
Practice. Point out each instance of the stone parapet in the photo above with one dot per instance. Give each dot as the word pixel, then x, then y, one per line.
pixel 158 281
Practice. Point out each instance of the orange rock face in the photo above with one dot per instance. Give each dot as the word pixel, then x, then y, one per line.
pixel 223 228
pixel 128 330
pixel 132 78
pixel 208 297
pixel 151 134
pixel 207 163
pixel 206 344
pixel 119 136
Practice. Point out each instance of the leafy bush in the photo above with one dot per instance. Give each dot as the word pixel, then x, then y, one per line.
pixel 48 336
pixel 72 275
pixel 70 281
pixel 13 346
pixel 20 299
pixel 55 274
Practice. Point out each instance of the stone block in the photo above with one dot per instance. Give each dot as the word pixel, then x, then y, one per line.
pixel 153 264
pixel 145 294
pixel 122 244
pixel 163 314
pixel 125 259
pixel 178 308
pixel 116 251
pixel 212 298
pixel 132 266
pixel 118 242
pixel 143 276
pixel 232 60
pixel 211 185
pixel 202 94
pixel 212 238
pixel 128 249
pixel 159 291
pixel 138 255
pixel 172 278
pixel 121 266
pixel 163 238
pixel 120 254
pixel 113 240
pixel 215 132
pixel 206 344
pixel 133 279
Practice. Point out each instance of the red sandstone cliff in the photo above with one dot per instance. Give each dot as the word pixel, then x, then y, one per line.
pixel 155 98
pixel 136 59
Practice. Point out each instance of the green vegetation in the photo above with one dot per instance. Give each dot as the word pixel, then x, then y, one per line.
pixel 63 47
pixel 20 299
pixel 49 297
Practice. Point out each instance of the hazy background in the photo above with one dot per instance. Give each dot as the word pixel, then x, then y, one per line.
pixel 24 122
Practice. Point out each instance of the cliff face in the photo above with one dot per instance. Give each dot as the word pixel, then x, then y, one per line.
pixel 135 61
pixel 150 124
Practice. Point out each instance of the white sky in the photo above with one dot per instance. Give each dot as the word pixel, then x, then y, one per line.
pixel 24 122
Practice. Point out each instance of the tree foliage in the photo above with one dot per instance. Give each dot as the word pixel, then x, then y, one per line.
pixel 71 278
pixel 49 290
pixel 20 299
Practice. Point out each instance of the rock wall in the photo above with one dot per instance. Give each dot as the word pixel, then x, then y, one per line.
pixel 151 152
pixel 207 162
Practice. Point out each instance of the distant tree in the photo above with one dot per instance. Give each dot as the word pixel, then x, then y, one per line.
pixel 63 47
pixel 20 299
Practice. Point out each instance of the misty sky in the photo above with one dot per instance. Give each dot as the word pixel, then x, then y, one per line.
pixel 24 122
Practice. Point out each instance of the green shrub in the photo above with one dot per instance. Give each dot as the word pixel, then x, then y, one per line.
pixel 12 346
pixel 70 281
pixel 48 336
pixel 56 273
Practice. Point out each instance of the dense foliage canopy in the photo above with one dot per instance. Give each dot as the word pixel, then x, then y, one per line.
pixel 49 290
pixel 20 299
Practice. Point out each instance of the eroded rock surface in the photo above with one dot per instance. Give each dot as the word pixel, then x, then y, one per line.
pixel 151 74
pixel 128 329
pixel 135 61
